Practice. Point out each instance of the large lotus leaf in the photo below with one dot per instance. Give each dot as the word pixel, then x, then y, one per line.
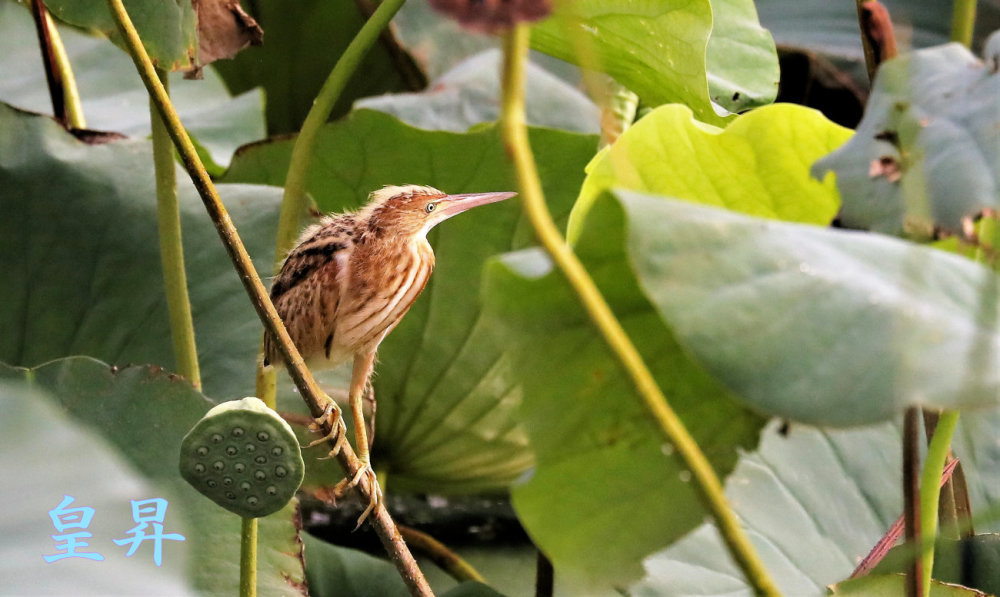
pixel 169 29
pixel 696 53
pixel 302 42
pixel 926 154
pixel 46 456
pixel 814 503
pixel 469 94
pixel 145 412
pixel 832 27
pixel 78 236
pixel 604 470
pixel 758 165
pixel 826 326
pixel 111 94
pixel 445 402
pixel 77 228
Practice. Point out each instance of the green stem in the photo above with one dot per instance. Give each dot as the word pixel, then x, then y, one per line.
pixel 515 138
pixel 248 558
pixel 384 525
pixel 71 94
pixel 930 491
pixel 296 201
pixel 62 84
pixel 171 248
pixel 963 21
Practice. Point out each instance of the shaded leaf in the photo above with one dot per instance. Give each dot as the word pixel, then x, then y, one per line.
pixel 303 42
pixel 168 29
pixel 925 155
pixel 145 413
pixel 598 452
pixel 112 95
pixel 758 165
pixel 824 326
pixel 78 234
pixel 669 52
pixel 342 572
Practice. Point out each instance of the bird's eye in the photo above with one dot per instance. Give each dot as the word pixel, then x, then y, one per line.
pixel 430 207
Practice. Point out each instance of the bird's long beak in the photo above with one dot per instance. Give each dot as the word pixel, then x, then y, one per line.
pixel 456 204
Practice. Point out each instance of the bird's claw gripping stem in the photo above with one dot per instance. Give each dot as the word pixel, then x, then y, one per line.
pixel 331 418
pixel 365 470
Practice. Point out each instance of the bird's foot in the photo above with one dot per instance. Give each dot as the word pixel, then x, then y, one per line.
pixel 365 470
pixel 331 418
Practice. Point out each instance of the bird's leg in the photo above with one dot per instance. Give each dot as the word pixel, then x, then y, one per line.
pixel 359 379
pixel 331 418
pixel 370 399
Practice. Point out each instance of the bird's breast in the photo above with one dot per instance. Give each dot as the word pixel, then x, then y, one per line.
pixel 381 293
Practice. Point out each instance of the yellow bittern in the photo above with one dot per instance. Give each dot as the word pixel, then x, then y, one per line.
pixel 352 277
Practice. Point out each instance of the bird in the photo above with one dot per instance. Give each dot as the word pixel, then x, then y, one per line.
pixel 349 281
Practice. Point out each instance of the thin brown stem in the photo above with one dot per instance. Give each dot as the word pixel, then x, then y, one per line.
pixel 385 527
pixel 878 38
pixel 894 533
pixel 52 74
pixel 911 496
pixel 441 555
pixel 545 576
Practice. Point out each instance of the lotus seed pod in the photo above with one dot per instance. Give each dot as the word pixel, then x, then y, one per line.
pixel 244 457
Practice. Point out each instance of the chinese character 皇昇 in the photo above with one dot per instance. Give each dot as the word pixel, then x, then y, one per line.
pixel 63 519
pixel 149 513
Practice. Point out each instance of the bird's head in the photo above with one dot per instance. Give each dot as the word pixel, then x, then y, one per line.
pixel 413 210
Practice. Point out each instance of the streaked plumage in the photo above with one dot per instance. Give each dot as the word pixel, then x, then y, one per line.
pixel 352 277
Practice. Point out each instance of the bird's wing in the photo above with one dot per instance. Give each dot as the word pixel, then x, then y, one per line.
pixel 306 293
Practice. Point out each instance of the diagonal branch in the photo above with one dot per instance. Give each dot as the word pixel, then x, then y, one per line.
pixel 385 527
pixel 515 139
